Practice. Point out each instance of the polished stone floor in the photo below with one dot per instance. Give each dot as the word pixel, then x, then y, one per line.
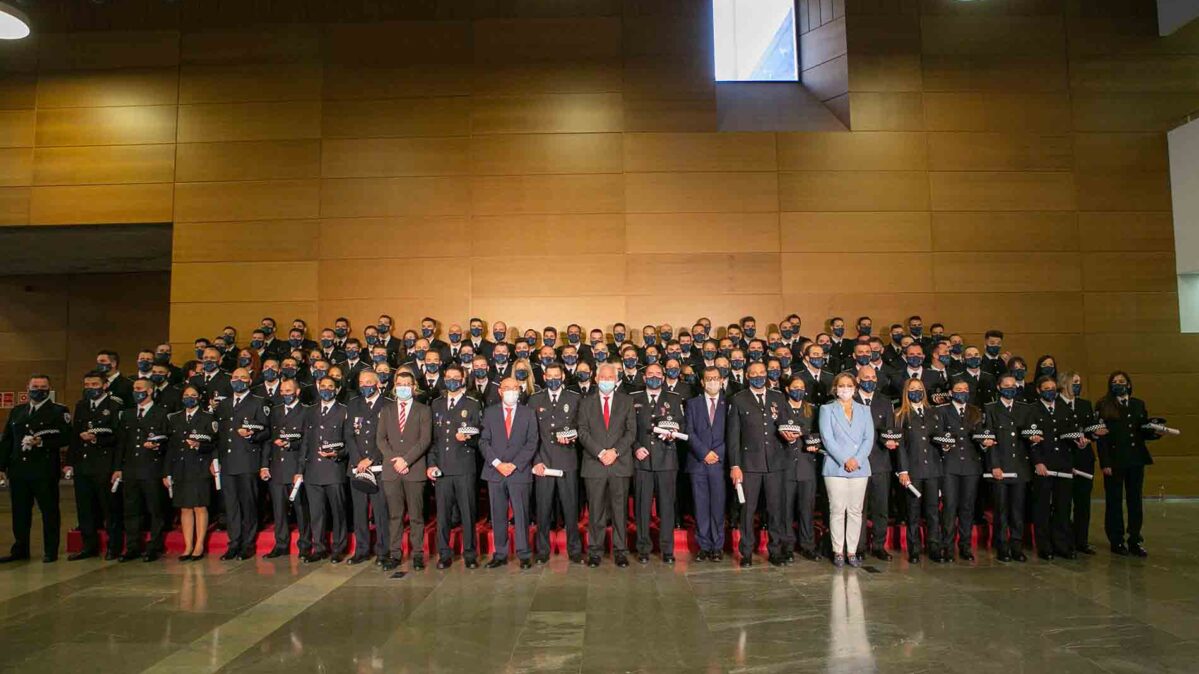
pixel 1100 614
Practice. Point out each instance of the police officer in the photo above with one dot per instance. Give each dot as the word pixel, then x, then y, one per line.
pixel 327 446
pixel 363 415
pixel 1069 386
pixel 91 460
pixel 758 460
pixel 281 469
pixel 212 382
pixel 144 434
pixel 243 425
pixel 878 485
pixel 557 410
pixel 453 465
pixel 1007 460
pixel 919 466
pixel 1046 423
pixel 187 470
pixel 962 466
pixel 799 485
pixel 29 460
pixel 1123 457
pixel 656 462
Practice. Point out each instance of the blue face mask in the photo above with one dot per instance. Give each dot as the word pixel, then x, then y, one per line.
pixel 816 362
pixel 583 375
pixel 326 343
pixel 341 332
pixel 601 356
pixel 653 382
pixel 915 361
pixel 296 342
pixel 796 394
pixel 738 363
pixel 839 332
pixel 352 354
pixel 256 344
pixel 876 356
pixel 955 349
pixel 865 330
pixel 690 378
pixel 409 343
pixel 144 365
pixel 501 358
pixel 774 345
pixel 549 341
pixel 649 339
pixel 862 360
pixel 478 373
pixel 757 382
pixel 709 355
pixel 785 361
pixel 243 361
pixel 749 332
pixel 629 363
pixel 868 386
pixel 383 328
pixel 916 396
pixel 289 373
pixel 973 362
pixel 672 372
pixel 455 337
pixel 774 375
pixel 650 359
pixel 521 375
pixel 618 337
pixel 499 336
pixel 384 377
pixel 327 394
pixel 288 398
pixel 372 340
pixel 93 393
pixel 270 374
pixel 403 392
pixel 37 395
pixel 1009 392
pixel 726 351
pixel 210 365
pixel 317 375
pixel 945 359
pixel 896 337
pixel 432 368
pixel 1048 371
pixel 1019 374
pixel 379 358
pixel 666 336
pixel 1076 389
pixel 755 356
pixel 546 361
pixel 367 390
pixel 420 354
pixel 1119 390
pixel 238 386
pixel 961 397
pixel 570 359
pixel 476 332
pixel 268 330
pixel 426 332
pixel 158 378
pixel 573 338
pixel 1049 395
pixel 917 331
pixel 466 358
pixel 606 386
pixel 140 396
pixel 994 349
pixel 724 372
pixel 190 401
pixel 452 385
pixel 553 383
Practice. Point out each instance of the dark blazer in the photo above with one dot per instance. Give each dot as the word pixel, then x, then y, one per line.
pixel 818 388
pixel 705 436
pixel 183 462
pixel 52 423
pixel 137 462
pixel 519 448
pixel 330 432
pixel 412 444
pixel 965 456
pixel 982 389
pixel 95 458
pixel 1124 445
pixel 122 388
pixel 1084 416
pixel 804 455
pixel 1010 452
pixel 447 453
pixel 213 390
pixel 240 455
pixel 292 426
pixel 551 419
pixel 1056 453
pixel 620 434
pixel 917 454
pixel 363 418
pixel 170 397
pixel 751 435
pixel 882 412
pixel 663 454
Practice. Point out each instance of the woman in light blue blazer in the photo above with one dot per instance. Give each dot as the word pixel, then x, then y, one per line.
pixel 848 434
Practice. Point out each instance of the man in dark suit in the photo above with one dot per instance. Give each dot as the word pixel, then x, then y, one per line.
pixel 982 383
pixel 404 435
pixel 29 460
pixel 453 465
pixel 758 460
pixel 657 463
pixel 508 444
pixel 878 487
pixel 557 410
pixel 705 464
pixel 816 379
pixel 91 458
pixel 363 414
pixel 328 444
pixel 109 364
pixel 211 382
pixel 607 429
pixel 243 426
pixel 478 337
pixel 144 433
pixel 282 469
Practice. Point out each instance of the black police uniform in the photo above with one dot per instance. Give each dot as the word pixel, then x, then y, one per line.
pixel 458 462
pixel 33 471
pixel 141 476
pixel 189 467
pixel 1010 455
pixel 754 445
pixel 240 460
pixel 93 463
pixel 1052 495
pixel 552 417
pixel 658 472
pixel 962 466
pixel 1123 451
pixel 799 484
pixel 878 485
pixel 921 460
pixel 331 431
pixel 363 417
pixel 292 426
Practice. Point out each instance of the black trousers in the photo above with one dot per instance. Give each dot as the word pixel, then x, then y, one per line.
pixel 1008 529
pixel 1080 511
pixel 799 499
pixel 567 489
pixel 25 492
pixel 327 510
pixel 646 484
pixel 607 496
pixel 1051 514
pixel 279 509
pixel 928 505
pixel 501 494
pixel 404 497
pixel 958 493
pixel 450 491
pixel 241 510
pixel 363 504
pixel 878 493
pixel 771 485
pixel 1124 484
pixel 98 507
pixel 143 496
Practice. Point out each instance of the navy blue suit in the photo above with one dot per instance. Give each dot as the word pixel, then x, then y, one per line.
pixel 519 448
pixel 707 481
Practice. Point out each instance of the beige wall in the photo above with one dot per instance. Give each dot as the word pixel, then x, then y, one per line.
pixel 1007 168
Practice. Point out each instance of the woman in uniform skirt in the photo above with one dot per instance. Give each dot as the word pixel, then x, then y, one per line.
pixel 799 485
pixel 187 470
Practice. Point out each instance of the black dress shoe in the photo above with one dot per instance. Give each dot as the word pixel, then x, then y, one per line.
pixel 314 557
pixel 1069 554
pixel 1003 556
pixel 913 559
pixel 1138 550
pixel 621 560
pixel 775 560
pixel 746 562
pixel 472 563
pixel 418 563
pixel 526 564
pixel 185 558
pixel 789 558
pixel 129 557
pixel 882 554
pixel 389 564
pixel 966 554
pixel 667 558
pixel 150 557
pixel 643 558
pixel 940 558
pixel 593 561
pixel 277 552
pixel 543 559
pixel 337 559
pixel 809 555
pixel 1047 556
pixel 248 554
pixel 196 558
pixel 443 563
pixel 1120 549
pixel 1019 556
pixel 717 556
pixel 497 562
pixel 577 558
pixel 703 556
pixel 1086 550
pixel 229 554
pixel 356 560
pixel 75 557
pixel 50 559
pixel 111 555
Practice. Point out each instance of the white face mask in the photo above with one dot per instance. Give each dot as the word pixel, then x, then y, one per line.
pixel 712 387
pixel 844 392
pixel 404 392
pixel 511 397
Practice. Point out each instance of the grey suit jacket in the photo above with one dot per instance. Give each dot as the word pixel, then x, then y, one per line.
pixel 620 434
pixel 412 444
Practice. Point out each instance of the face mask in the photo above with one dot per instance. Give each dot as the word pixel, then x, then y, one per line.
pixel 210 365
pixel 383 328
pixel 384 377
pixel 955 349
pixel 1049 396
pixel 426 332
pixel 1019 374
pixel 244 361
pixel 749 332
pixel 573 339
pixel 774 344
pixel 553 384
pixel 501 359
pixel 1119 390
pixel 915 361
pixel 190 401
pixel 267 330
pixel 785 362
pixel 601 356
pixel 1076 390
pixel 690 378
pixel 796 394
pixel 379 357
pixel 862 360
pixel 93 393
pixel 709 355
pixel 666 336
pixel 372 340
pixel 672 372
pixel 288 398
pixel 712 387
pixel 618 337
pixel 403 392
pixel 158 378
pixel 162 358
pixel 478 373
pixel 420 354
pixel 774 375
pixel 452 385
pixel 466 358
pixel 37 395
pixel 105 367
pixel 606 386
pixel 367 390
pixel 865 330
pixel 653 382
pixel 583 375
pixel 650 359
pixel 341 332
pixel 570 359
pixel 144 365
pixel 1009 392
pixel 973 362
pixel 961 397
pixel 876 356
pixel 549 341
pixel 755 356
pixel 546 361
pixel 844 392
pixel 317 375
pixel 724 372
pixel 140 396
pixel 289 373
pixel 409 343
pixel 270 374
pixel 238 385
pixel 352 354
pixel 915 396
pixel 521 375
pixel 455 337
pixel 531 341
pixel 699 337
pixel 649 339
pixel 993 349
pixel 738 363
pixel 476 332
pixel 432 368
pixel 511 397
pixel 816 362
pixel 917 331
pixel 629 363
pixel 1048 370
pixel 945 359
pixel 896 337
pixel 499 336
pixel 327 394
pixel 296 342
pixel 757 382
pixel 326 343
pixel 868 386
pixel 838 332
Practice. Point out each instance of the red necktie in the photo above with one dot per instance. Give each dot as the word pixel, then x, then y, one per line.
pixel 508 421
pixel 607 412
pixel 403 415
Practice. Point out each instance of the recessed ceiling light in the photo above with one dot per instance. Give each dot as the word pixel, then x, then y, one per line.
pixel 14 24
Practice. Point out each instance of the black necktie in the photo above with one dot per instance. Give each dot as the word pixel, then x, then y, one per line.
pixel 761 400
pixel 141 412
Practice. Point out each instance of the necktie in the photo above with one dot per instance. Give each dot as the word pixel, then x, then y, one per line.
pixel 141 412
pixel 920 412
pixel 324 410
pixel 94 406
pixel 653 400
pixel 711 411
pixel 453 402
pixel 607 412
pixel 761 400
pixel 403 416
pixel 508 421
pixel 553 400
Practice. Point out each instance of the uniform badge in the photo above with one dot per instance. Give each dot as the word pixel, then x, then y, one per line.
pixel 66 416
pixel 774 411
pixel 541 410
pixel 214 427
pixel 463 414
pixel 566 408
pixel 104 412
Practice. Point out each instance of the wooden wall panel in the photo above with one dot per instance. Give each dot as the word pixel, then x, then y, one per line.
pixel 380 157
pixel 106 126
pixel 250 82
pixel 699 152
pixel 248 160
pixel 1045 112
pixel 851 151
pixel 845 232
pixel 100 204
pixel 550 276
pixel 399 117
pixel 499 195
pixel 260 240
pixel 1119 231
pixel 14 205
pixel 357 197
pixel 243 281
pixel 124 87
pixel 1140 272
pixel 999 152
pixel 546 234
pixel 853 191
pixel 202 123
pixel 701 192
pixel 189 319
pixel 872 272
pixel 1006 231
pixel 1026 272
pixel 411 237
pixel 665 233
pixel 556 113
pixel 344 280
pixel 996 191
pixel 16 166
pixel 102 164
pixel 247 200
pixel 545 153
pixel 1131 311
pixel 17 128
pixel 704 273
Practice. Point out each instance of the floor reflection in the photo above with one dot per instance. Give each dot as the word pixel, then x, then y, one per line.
pixel 848 645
